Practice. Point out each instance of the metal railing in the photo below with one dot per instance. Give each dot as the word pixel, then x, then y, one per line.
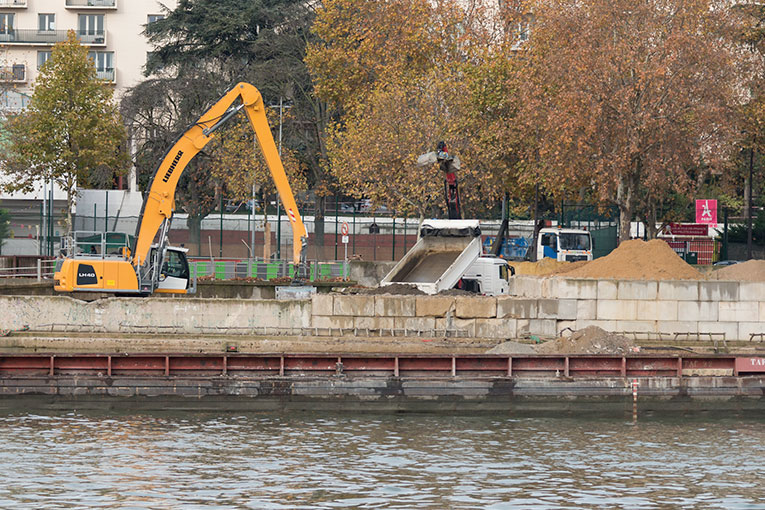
pixel 43 270
pixel 13 3
pixel 109 75
pixel 17 73
pixel 112 4
pixel 46 37
pixel 264 270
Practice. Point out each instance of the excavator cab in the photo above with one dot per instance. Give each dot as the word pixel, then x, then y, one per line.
pixel 174 275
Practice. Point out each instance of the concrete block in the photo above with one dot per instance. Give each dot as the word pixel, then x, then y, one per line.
pixel 567 309
pixel 363 306
pixel 635 326
pixel 742 311
pixel 332 322
pixel 496 328
pixel 433 306
pixel 617 309
pixel 476 307
pixel 322 304
pixel 606 325
pixel 672 327
pixel 466 325
pixel 586 309
pixel 607 289
pixel 762 311
pixel 751 291
pixel 543 327
pixel 718 291
pixel 567 326
pixel 415 323
pixel 746 329
pixel 678 291
pixel 658 310
pixel 697 311
pixel 729 328
pixel 374 322
pixel 547 309
pixel 523 327
pixel 641 290
pixel 514 307
pixel 528 286
pixel 569 288
pixel 394 306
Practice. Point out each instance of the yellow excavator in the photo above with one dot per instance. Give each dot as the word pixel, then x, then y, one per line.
pixel 122 264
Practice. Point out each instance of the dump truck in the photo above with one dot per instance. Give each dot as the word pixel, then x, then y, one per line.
pixel 447 255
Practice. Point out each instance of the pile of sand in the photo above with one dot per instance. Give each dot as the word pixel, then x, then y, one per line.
pixel 512 348
pixel 590 340
pixel 751 270
pixel 396 289
pixel 638 260
pixel 545 267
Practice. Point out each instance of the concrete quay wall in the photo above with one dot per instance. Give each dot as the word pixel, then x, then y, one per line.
pixel 542 307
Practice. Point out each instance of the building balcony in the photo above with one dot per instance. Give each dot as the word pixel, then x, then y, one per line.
pixel 91 4
pixel 17 73
pixel 107 75
pixel 34 37
pixel 13 4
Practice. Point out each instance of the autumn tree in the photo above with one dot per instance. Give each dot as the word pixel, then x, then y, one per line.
pixel 71 132
pixel 396 72
pixel 203 46
pixel 632 99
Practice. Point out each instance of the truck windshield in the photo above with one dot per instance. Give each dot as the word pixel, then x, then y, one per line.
pixel 571 241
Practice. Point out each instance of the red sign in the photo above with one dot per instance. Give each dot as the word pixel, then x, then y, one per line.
pixel 750 365
pixel 344 229
pixel 706 211
pixel 687 230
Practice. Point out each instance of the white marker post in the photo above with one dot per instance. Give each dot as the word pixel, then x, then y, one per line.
pixel 344 232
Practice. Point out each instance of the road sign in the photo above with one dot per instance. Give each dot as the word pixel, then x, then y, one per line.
pixel 344 229
pixel 706 211
pixel 345 239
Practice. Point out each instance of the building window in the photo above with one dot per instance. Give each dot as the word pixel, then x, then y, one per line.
pixel 104 62
pixel 155 17
pixel 42 57
pixel 91 24
pixel 6 23
pixel 46 22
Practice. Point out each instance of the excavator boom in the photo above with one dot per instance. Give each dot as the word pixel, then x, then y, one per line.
pixel 159 203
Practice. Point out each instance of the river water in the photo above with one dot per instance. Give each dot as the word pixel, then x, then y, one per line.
pixel 324 460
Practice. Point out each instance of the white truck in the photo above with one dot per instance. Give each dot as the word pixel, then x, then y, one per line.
pixel 564 244
pixel 447 255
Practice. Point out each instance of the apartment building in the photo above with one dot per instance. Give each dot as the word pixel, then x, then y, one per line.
pixel 111 29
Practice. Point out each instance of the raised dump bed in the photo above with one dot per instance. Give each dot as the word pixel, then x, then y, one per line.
pixel 444 251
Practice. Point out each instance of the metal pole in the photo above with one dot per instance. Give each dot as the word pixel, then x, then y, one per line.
pixel 749 205
pixel 278 204
pixel 220 251
pixel 106 213
pixel 354 230
pixel 43 217
pixel 41 229
pixel 50 220
pixel 95 217
pixel 404 234
pixel 393 234
pixel 336 220
pixel 724 254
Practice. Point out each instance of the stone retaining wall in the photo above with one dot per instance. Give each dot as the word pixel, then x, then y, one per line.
pixel 539 306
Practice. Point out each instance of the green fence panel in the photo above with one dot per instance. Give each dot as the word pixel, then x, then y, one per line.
pixel 220 270
pixel 604 241
pixel 272 270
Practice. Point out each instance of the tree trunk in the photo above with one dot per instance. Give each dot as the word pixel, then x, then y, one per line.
pixel 625 202
pixel 652 232
pixel 195 233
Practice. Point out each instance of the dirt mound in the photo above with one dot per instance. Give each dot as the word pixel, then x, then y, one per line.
pixel 396 289
pixel 590 340
pixel 512 348
pixel 751 270
pixel 545 267
pixel 639 260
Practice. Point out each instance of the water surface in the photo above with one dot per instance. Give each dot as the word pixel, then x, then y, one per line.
pixel 278 461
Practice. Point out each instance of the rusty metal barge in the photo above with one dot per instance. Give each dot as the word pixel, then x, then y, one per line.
pixel 386 382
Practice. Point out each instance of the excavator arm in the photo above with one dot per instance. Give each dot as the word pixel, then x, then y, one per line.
pixel 159 203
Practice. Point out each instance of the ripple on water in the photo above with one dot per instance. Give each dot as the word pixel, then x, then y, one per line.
pixel 371 461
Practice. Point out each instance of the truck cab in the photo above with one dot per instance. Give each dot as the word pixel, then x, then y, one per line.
pixel 488 275
pixel 564 244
